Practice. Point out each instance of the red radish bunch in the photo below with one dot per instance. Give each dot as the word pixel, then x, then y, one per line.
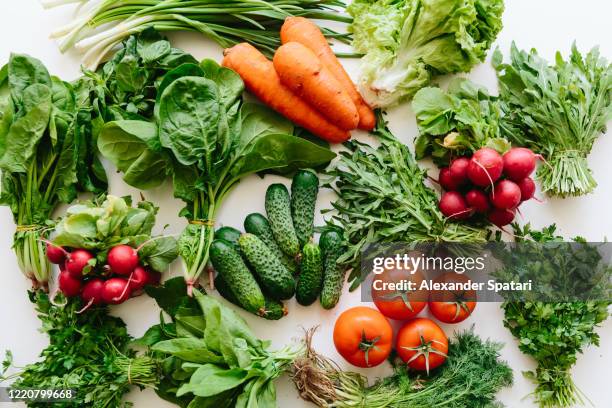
pixel 114 283
pixel 488 184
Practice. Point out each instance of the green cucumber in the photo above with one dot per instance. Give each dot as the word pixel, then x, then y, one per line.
pixel 304 190
pixel 311 275
pixel 274 308
pixel 333 274
pixel 278 209
pixel 257 224
pixel 229 264
pixel 275 279
pixel 229 234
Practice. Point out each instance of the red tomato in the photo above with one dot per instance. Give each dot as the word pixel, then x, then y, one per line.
pixel 422 344
pixel 363 336
pixel 399 304
pixel 450 306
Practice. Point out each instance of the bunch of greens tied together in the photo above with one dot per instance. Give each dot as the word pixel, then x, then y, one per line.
pixel 382 198
pixel 555 332
pixel 407 42
pixel 208 354
pixel 457 122
pixel 557 110
pixel 47 154
pixel 227 22
pixel 203 137
pixel 87 352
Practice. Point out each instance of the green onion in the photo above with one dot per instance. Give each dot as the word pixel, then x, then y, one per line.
pixel 101 25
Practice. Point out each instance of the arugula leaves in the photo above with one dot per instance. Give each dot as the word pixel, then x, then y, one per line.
pixel 210 356
pixel 47 154
pixel 88 352
pixel 557 110
pixel 456 122
pixel 383 198
pixel 554 333
pixel 206 139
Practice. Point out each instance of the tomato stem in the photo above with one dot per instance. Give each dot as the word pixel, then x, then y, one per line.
pixel 366 345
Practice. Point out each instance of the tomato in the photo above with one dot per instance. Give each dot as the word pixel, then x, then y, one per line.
pixel 422 344
pixel 451 306
pixel 399 304
pixel 363 336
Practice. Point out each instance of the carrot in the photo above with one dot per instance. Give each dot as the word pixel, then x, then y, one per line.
pixel 304 31
pixel 261 79
pixel 301 71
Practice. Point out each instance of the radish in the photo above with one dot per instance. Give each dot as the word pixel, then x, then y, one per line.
pixel 477 200
pixel 68 284
pixel 527 187
pixel 77 261
pixel 92 292
pixel 501 217
pixel 123 259
pixel 519 163
pixel 139 278
pixel 56 254
pixel 115 291
pixel 506 195
pixel 447 181
pixel 453 205
pixel 458 170
pixel 486 166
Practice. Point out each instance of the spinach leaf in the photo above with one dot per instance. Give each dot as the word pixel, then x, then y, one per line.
pixel 160 253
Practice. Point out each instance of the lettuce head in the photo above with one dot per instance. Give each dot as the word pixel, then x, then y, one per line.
pixel 407 42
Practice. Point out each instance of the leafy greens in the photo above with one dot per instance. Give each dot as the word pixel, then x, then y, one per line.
pixel 210 357
pixel 99 226
pixel 553 333
pixel 206 140
pixel 407 42
pixel 557 110
pixel 47 154
pixel 383 199
pixel 457 122
pixel 87 352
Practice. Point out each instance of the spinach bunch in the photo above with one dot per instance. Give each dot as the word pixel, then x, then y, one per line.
pixel 554 333
pixel 206 140
pixel 99 225
pixel 557 110
pixel 209 356
pixel 87 352
pixel 383 199
pixel 47 154
pixel 125 87
pixel 457 122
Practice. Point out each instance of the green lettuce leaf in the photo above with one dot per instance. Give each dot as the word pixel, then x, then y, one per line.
pixel 406 42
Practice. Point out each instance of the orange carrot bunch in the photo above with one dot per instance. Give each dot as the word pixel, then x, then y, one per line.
pixel 305 82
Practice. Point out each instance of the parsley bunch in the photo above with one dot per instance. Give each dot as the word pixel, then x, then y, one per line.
pixel 554 333
pixel 87 352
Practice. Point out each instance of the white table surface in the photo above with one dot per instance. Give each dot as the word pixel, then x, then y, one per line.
pixel 547 25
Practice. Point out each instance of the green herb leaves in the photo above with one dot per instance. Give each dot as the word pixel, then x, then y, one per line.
pixel 47 154
pixel 211 357
pixel 557 110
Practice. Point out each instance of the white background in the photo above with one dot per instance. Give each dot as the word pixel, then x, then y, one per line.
pixel 547 25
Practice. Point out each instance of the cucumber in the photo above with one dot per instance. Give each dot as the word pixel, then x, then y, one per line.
pixel 304 190
pixel 278 209
pixel 311 275
pixel 275 279
pixel 228 262
pixel 333 274
pixel 257 224
pixel 274 309
pixel 229 234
